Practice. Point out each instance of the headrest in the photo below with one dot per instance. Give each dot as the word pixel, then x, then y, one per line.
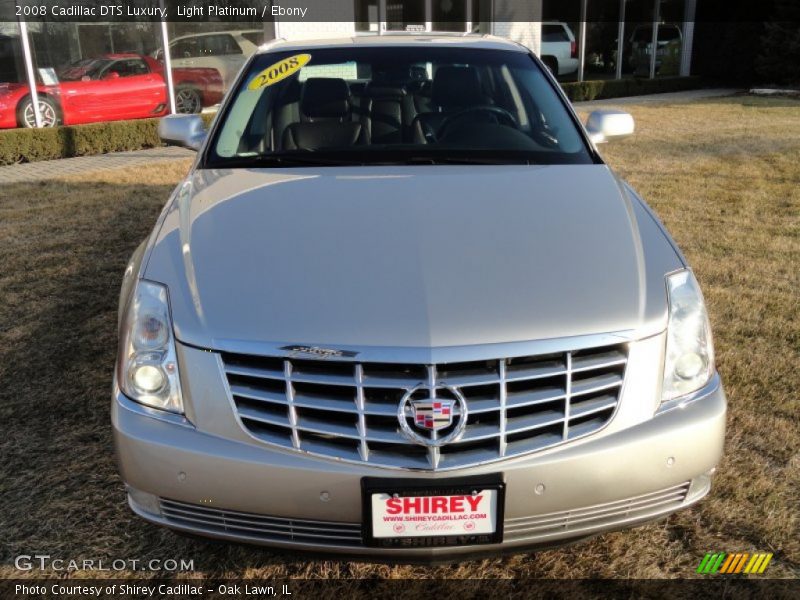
pixel 418 73
pixel 325 97
pixel 456 87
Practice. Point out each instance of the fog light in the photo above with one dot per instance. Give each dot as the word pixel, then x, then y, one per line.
pixel 147 502
pixel 149 378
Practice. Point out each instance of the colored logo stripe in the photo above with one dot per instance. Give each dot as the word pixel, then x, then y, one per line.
pixel 758 563
pixel 711 563
pixel 739 562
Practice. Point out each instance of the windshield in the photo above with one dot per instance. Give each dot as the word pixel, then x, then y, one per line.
pixel 395 105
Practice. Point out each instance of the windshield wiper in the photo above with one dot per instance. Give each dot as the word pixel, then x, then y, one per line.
pixel 463 160
pixel 291 160
pixel 365 159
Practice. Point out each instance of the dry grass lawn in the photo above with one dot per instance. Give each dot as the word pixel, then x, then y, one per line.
pixel 723 174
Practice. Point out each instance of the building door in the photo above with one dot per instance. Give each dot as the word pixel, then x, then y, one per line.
pixel 406 15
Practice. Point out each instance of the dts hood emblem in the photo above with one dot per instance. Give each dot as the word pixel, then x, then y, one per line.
pixel 317 352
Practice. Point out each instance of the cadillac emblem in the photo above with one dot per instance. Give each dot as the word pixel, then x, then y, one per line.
pixel 432 414
pixel 424 412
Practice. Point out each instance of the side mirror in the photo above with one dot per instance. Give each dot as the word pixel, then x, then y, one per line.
pixel 606 125
pixel 182 130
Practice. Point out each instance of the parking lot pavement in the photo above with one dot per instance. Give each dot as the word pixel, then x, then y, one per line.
pixel 54 169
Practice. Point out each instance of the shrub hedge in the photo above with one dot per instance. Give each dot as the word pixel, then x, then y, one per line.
pixel 28 145
pixel 618 88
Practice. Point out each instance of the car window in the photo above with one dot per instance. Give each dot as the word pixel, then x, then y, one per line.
pixel 90 68
pixel 129 67
pixel 396 105
pixel 188 48
pixel 219 45
pixel 554 33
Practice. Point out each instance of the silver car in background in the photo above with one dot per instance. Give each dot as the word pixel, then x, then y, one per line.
pixel 401 308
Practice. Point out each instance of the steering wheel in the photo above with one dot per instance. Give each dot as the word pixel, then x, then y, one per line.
pixel 504 117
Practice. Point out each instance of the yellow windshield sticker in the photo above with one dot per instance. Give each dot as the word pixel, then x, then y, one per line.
pixel 279 71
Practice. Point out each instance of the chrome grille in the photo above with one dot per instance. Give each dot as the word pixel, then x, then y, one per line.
pixel 264 527
pixel 349 410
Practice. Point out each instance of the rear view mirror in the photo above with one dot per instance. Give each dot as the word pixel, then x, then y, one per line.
pixel 182 130
pixel 606 125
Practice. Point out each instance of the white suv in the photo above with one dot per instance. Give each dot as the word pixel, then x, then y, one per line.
pixel 559 48
pixel 225 51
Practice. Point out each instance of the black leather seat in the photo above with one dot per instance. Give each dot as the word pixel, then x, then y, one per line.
pixel 453 90
pixel 326 117
pixel 389 111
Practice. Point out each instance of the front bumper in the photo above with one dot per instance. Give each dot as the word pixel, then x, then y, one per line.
pixel 237 490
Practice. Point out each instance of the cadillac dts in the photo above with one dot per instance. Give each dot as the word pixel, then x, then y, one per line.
pixel 401 308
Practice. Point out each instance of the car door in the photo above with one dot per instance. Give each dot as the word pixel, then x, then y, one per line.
pixel 143 93
pixel 80 100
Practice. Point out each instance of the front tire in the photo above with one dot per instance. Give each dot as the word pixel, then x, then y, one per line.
pixel 188 101
pixel 47 108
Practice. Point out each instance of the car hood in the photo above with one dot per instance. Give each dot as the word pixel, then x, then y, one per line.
pixel 419 257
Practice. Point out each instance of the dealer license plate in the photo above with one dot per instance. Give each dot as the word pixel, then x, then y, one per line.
pixel 434 516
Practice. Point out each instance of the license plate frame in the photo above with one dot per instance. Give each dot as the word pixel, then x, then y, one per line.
pixel 415 487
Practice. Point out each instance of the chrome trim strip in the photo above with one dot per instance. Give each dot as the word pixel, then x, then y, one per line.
pixel 568 397
pixel 503 445
pixel 154 413
pixel 434 453
pixel 440 355
pixel 292 411
pixel 684 401
pixel 363 449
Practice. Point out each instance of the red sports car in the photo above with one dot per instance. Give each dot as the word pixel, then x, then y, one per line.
pixel 109 88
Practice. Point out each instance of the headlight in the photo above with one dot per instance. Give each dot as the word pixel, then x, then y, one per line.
pixel 689 362
pixel 148 367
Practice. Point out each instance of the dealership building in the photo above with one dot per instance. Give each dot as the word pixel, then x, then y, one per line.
pixel 577 39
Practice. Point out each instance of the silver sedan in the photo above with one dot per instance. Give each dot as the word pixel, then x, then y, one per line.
pixel 400 307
